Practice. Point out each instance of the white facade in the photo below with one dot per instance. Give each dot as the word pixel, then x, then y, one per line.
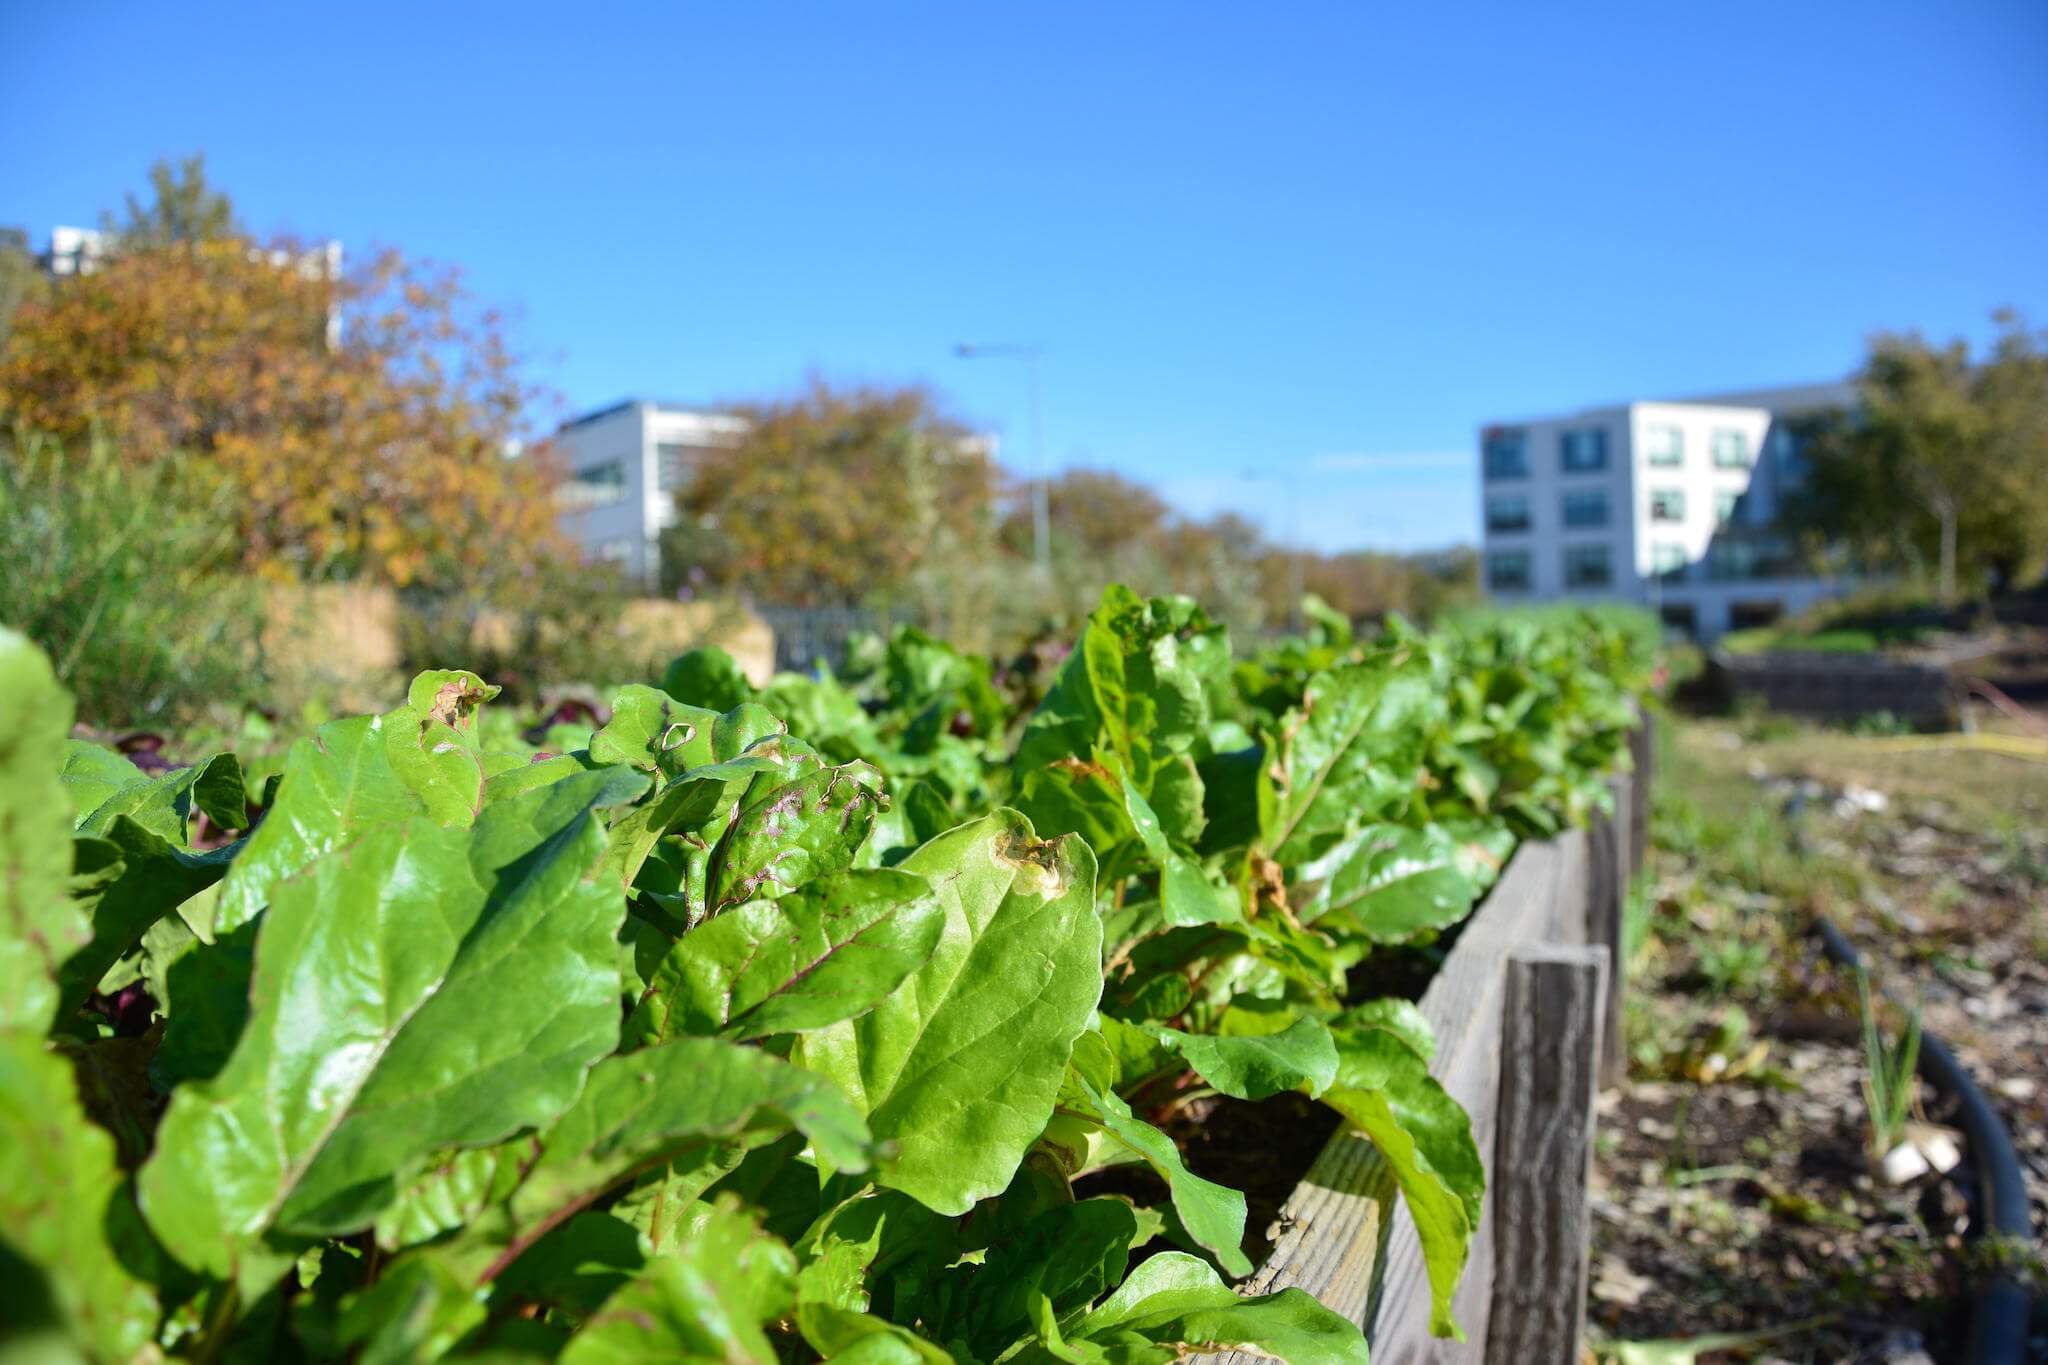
pixel 624 464
pixel 1667 504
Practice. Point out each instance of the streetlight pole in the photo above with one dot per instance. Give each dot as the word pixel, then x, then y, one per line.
pixel 1041 494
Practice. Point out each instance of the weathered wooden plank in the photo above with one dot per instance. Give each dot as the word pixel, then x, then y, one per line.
pixel 1543 1150
pixel 1606 900
pixel 1464 1004
pixel 1642 748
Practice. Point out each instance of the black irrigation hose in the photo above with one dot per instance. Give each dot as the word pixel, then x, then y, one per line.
pixel 1998 1316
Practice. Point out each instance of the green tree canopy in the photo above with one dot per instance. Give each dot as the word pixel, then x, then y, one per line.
pixel 1943 466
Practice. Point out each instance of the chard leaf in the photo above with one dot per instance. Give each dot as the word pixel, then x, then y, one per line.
pixel 451 1191
pixel 707 1301
pixel 1387 883
pixel 1384 1089
pixel 1137 686
pixel 1301 1056
pixel 856 1338
pixel 707 677
pixel 39 925
pixel 338 785
pixel 103 785
pixel 661 1105
pixel 787 835
pixel 1399 1017
pixel 416 1311
pixel 1353 751
pixel 958 1069
pixel 134 877
pixel 1174 1305
pixel 1212 1214
pixel 825 952
pixel 58 1180
pixel 432 743
pixel 1069 1255
pixel 431 988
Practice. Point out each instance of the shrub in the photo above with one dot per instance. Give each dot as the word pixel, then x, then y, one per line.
pixel 123 574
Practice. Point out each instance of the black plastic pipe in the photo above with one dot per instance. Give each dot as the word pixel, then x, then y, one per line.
pixel 1998 1316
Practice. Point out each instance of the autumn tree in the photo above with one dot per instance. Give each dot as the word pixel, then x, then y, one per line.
pixel 1942 465
pixel 835 496
pixel 361 419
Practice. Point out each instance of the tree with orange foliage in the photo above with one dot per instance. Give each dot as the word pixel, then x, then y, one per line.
pixel 362 420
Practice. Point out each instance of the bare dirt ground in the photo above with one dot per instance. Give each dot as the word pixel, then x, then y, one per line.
pixel 1733 1191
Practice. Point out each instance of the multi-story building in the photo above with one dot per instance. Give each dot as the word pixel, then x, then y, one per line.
pixel 624 464
pixel 1669 504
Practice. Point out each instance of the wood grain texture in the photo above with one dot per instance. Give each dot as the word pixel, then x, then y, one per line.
pixel 1551 1026
pixel 1607 877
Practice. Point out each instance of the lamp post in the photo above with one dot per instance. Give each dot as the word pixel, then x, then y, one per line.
pixel 1297 572
pixel 1041 496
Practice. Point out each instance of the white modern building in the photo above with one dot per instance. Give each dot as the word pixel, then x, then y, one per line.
pixel 624 464
pixel 1671 504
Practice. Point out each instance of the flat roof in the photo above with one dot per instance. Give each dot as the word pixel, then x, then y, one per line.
pixel 659 405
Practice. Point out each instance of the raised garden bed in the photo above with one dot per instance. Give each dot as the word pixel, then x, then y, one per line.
pixel 1526 1013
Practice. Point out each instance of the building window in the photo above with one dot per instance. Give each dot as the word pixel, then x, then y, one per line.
pixel 1508 512
pixel 1731 450
pixel 1667 504
pixel 1508 571
pixel 1584 450
pixel 1667 560
pixel 1664 445
pixel 1587 566
pixel 1505 453
pixel 618 551
pixel 1588 508
pixel 1725 504
pixel 599 485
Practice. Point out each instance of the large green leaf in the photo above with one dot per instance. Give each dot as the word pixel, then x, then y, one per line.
pixel 959 1068
pixel 1351 753
pixel 1068 1255
pixel 1387 883
pixel 103 784
pixel 1137 686
pixel 338 785
pixel 707 1301
pixel 432 743
pixel 663 1105
pixel 786 835
pixel 822 953
pixel 39 926
pixel 1301 1056
pixel 1174 1305
pixel 430 988
pixel 707 677
pixel 57 1180
pixel 1091 798
pixel 131 877
pixel 1384 1089
pixel 1212 1214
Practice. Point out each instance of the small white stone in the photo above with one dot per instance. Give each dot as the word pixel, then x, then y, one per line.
pixel 1903 1164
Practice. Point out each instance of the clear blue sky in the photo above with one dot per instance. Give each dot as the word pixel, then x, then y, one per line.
pixel 1317 240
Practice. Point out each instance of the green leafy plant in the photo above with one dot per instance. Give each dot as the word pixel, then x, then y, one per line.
pixel 701 1033
pixel 124 575
pixel 1888 1070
